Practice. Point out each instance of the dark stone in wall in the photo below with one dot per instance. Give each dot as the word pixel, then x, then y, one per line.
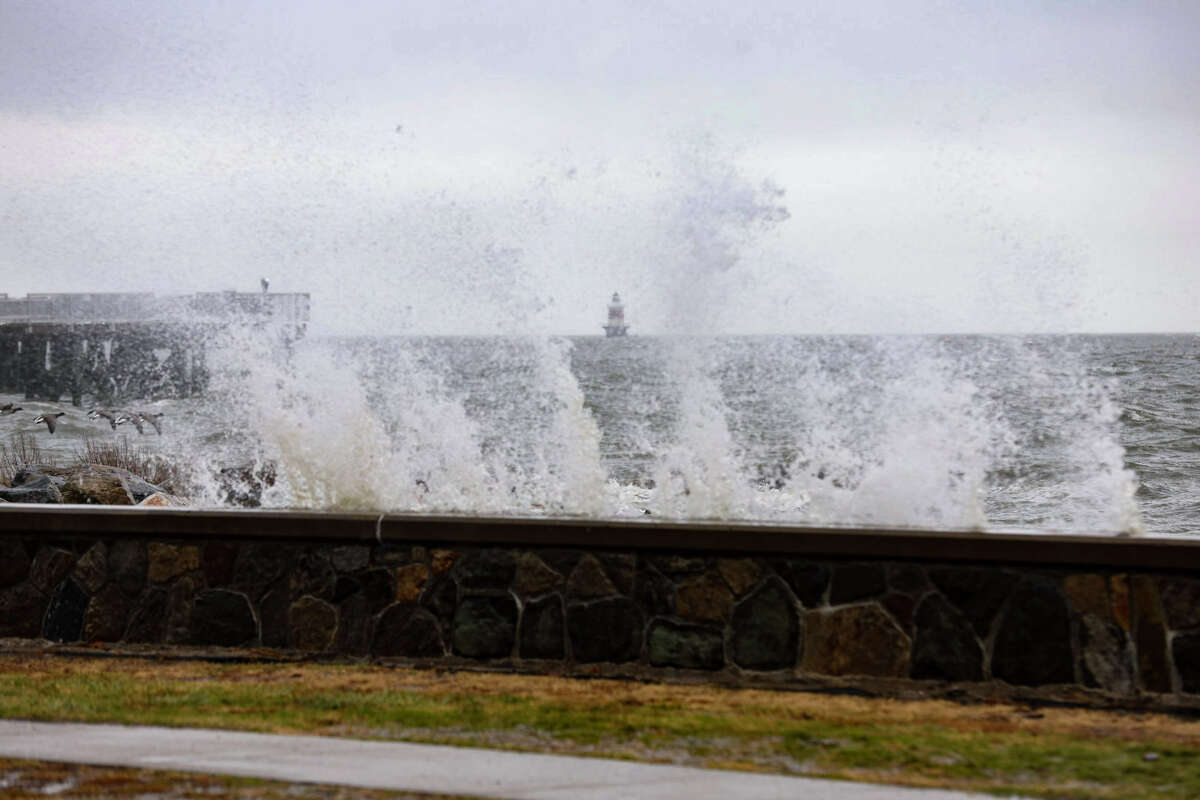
pixel 853 582
pixel 313 623
pixel 14 563
pixel 561 561
pixel 50 566
pixel 676 566
pixel 542 630
pixel 485 569
pixel 766 629
pixel 485 627
pixel 1185 649
pixel 1149 635
pixel 533 577
pixel 273 614
pixel 179 610
pixel 1104 651
pixel 107 615
pixel 21 610
pixel 1033 644
pixel 1181 602
pixel 945 647
pixel 907 579
pixel 218 560
pixel 313 575
pixel 670 644
pixel 224 618
pixel 740 574
pixel 807 580
pixel 350 558
pixel 169 561
pixel 64 617
pixel 621 569
pixel 978 593
pixel 378 587
pixel 127 565
pixel 441 598
pixel 605 630
pixel 589 580
pixel 149 621
pixel 654 592
pixel 354 630
pixel 855 640
pixel 901 607
pixel 407 630
pixel 259 565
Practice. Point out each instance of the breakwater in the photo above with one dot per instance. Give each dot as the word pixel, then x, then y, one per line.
pixel 128 345
pixel 1068 617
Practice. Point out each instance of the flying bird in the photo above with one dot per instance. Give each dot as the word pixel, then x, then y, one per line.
pixel 132 418
pixel 8 408
pixel 51 420
pixel 107 413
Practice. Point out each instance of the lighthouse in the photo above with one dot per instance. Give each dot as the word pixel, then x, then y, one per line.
pixel 616 318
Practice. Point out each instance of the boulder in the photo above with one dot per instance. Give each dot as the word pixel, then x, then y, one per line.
pixel 164 500
pixel 33 487
pixel 97 484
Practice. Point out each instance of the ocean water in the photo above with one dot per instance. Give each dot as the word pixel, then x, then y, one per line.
pixel 1089 434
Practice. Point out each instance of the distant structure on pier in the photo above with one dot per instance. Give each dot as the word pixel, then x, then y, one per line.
pixel 114 345
pixel 616 318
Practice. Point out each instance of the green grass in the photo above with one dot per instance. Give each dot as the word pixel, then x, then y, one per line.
pixel 1053 761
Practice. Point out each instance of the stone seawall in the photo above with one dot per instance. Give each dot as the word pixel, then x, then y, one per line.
pixel 731 615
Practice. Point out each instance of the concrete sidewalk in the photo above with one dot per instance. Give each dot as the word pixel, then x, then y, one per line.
pixel 414 767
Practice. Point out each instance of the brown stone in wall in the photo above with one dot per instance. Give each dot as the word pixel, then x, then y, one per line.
pixel 50 566
pixel 588 580
pixel 740 573
pixel 312 622
pixel 621 569
pixel 705 598
pixel 107 615
pixel 1118 587
pixel 442 560
pixel 1089 594
pixel 1149 635
pixel 91 570
pixel 410 581
pixel 167 561
pixel 534 577
pixel 855 640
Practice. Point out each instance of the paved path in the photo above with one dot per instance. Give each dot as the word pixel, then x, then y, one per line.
pixel 414 767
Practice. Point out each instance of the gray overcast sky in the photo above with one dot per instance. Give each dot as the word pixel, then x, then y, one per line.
pixel 891 166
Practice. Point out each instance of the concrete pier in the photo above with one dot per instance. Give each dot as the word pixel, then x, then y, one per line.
pixel 115 346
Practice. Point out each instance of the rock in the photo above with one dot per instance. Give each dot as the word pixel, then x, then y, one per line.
pixel 1033 643
pixel 50 566
pixel 218 560
pixel 21 610
pixel 128 565
pixel 1118 587
pixel 14 562
pixel 353 631
pixel 654 592
pixel 223 618
pixel 407 630
pixel 105 485
pixel 107 615
pixel 621 569
pixel 379 588
pixel 1185 650
pixel 164 500
pixel 741 574
pixel 442 560
pixel 311 573
pixel 485 627
pixel 945 647
pixel 1088 594
pixel 1149 635
pixel 259 565
pixel 64 617
pixel 766 629
pixel 179 610
pixel 669 644
pixel 167 561
pixel 312 622
pixel 534 577
pixel 542 629
pixel 441 598
pixel 978 593
pixel 902 608
pixel 1106 656
pixel 907 579
pixel 43 475
pixel 855 640
pixel 91 571
pixel 604 630
pixel 410 581
pixel 853 582
pixel 1180 602
pixel 705 598
pixel 31 494
pixel 807 580
pixel 273 617
pixel 588 580
pixel 675 566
